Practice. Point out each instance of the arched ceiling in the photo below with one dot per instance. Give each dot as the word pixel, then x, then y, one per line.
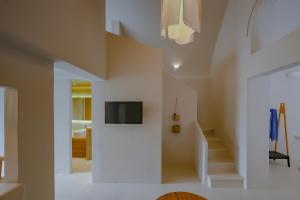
pixel 141 21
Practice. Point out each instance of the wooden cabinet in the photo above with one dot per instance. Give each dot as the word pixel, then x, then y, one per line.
pixel 88 144
pixel 78 147
pixel 82 147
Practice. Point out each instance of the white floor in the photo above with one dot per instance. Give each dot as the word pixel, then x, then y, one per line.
pixel 284 185
pixel 179 176
pixel 81 165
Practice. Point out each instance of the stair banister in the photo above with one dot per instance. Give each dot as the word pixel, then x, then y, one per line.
pixel 201 152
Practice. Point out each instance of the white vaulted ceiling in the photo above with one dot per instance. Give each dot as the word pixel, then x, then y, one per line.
pixel 141 21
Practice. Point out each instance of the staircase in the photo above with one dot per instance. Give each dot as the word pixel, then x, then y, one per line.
pixel 221 165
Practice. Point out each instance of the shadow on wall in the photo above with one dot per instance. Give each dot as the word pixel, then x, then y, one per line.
pixel 205 102
pixel 178 149
pixel 225 87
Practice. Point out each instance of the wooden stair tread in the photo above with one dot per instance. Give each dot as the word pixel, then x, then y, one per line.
pixel 226 177
pixel 220 172
pixel 213 139
pixel 217 147
pixel 220 159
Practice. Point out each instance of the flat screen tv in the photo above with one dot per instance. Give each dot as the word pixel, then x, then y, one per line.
pixel 123 112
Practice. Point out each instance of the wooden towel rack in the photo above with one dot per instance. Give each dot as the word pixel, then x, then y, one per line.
pixel 275 154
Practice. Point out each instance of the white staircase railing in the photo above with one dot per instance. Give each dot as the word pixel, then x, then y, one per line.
pixel 201 153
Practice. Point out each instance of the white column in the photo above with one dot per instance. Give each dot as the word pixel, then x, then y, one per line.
pixel 258 128
pixel 63 126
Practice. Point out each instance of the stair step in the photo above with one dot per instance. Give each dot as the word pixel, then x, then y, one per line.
pixel 221 167
pixel 209 133
pixel 220 171
pixel 214 139
pixel 216 144
pixel 217 158
pixel 217 152
pixel 225 180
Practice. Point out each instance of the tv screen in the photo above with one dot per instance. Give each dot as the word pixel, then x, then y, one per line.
pixel 123 112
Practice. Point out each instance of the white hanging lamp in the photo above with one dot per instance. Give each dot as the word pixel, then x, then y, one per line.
pixel 180 19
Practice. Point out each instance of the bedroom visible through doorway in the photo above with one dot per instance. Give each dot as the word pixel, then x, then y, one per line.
pixel 81 126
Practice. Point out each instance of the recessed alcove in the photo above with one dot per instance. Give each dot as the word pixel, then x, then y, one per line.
pixel 272 20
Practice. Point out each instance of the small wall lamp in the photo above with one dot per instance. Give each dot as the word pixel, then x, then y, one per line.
pixel 176 66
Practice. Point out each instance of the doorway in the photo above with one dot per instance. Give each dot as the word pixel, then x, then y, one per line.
pixel 81 126
pixel 73 99
pixel 267 92
pixel 72 120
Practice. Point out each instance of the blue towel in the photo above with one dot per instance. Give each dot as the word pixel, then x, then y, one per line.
pixel 273 125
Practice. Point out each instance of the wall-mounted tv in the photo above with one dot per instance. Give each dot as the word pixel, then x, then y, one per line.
pixel 124 112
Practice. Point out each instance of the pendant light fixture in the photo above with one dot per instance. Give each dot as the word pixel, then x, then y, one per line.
pixel 180 19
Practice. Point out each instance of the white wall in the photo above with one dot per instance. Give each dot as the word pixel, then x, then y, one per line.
pixel 233 64
pixel 286 18
pixel 201 153
pixel 33 79
pixel 286 90
pixel 73 31
pixel 178 149
pixel 262 25
pixel 63 125
pixel 203 87
pixel 273 20
pixel 129 153
pixel 140 19
pixel 258 116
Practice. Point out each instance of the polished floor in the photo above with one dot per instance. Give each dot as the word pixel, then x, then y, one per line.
pixel 284 184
